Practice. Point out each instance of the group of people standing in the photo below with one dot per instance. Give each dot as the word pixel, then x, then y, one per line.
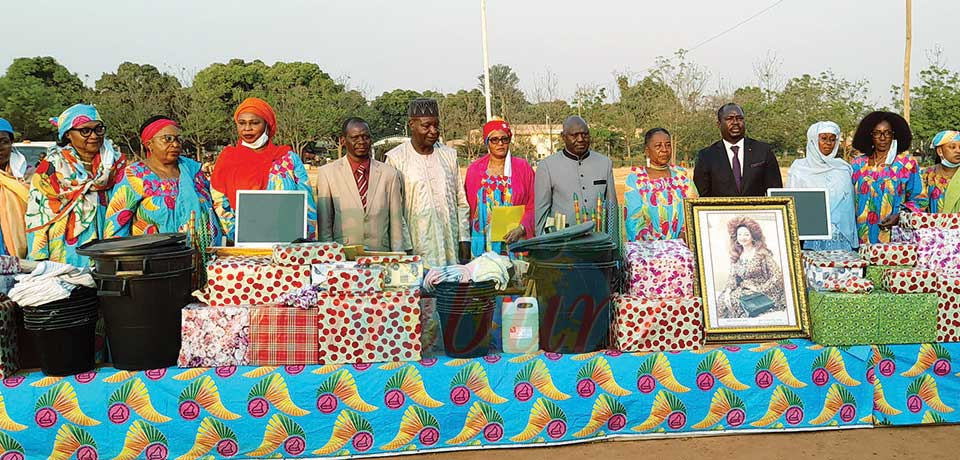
pixel 418 202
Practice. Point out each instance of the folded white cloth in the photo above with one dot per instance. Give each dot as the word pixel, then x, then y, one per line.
pixel 491 266
pixel 49 282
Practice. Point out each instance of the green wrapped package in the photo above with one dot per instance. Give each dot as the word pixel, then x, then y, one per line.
pixel 872 319
pixel 875 273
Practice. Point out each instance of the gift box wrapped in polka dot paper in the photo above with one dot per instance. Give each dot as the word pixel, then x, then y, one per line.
pixel 369 327
pixel 670 324
pixel 890 254
pixel 251 281
pixel 910 281
pixel 299 254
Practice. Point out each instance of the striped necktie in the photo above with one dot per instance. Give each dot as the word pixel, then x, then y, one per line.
pixel 362 184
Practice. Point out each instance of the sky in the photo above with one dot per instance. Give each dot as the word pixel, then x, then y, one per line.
pixel 380 45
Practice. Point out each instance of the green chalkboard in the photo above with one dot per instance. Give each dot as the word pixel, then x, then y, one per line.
pixel 265 217
pixel 813 211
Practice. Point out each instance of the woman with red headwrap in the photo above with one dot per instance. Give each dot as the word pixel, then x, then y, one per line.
pixel 165 193
pixel 498 179
pixel 256 163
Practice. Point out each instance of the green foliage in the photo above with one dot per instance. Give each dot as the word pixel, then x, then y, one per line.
pixel 131 95
pixel 390 113
pixel 506 98
pixel 934 105
pixel 35 89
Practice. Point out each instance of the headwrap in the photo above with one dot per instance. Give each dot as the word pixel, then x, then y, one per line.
pixel 152 129
pixel 423 107
pixel 495 125
pixel 75 116
pixel 6 126
pixel 260 108
pixel 817 170
pixel 945 137
pixel 13 200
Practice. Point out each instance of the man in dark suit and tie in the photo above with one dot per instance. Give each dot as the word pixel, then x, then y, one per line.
pixel 735 165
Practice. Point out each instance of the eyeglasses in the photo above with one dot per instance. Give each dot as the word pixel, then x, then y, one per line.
pixel 169 139
pixel 882 134
pixel 86 131
pixel 499 140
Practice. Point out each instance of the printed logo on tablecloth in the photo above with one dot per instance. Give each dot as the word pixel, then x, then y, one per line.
pixel 656 369
pixel 407 383
pixel 85 377
pixel 472 379
pixel 774 366
pixel 535 375
pixel 716 366
pixel 132 396
pixel 724 406
pixel 482 419
pixel 225 372
pixel 785 404
pixel 146 441
pixel 350 427
pixel 839 401
pixel 668 408
pixel 203 393
pixel 830 363
pixel 272 391
pixel 924 391
pixel 341 386
pixel 13 382
pixel 13 450
pixel 881 360
pixel 281 433
pixel 932 356
pixel 545 417
pixel 213 435
pixel 73 441
pixel 60 400
pixel 155 374
pixel 606 412
pixel 417 424
pixel 594 373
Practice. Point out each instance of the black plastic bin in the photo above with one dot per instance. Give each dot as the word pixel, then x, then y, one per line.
pixel 143 283
pixel 63 333
pixel 574 301
pixel 466 317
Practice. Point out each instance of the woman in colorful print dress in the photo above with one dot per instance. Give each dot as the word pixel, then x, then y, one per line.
pixel 256 163
pixel 655 193
pixel 886 179
pixel 822 169
pixel 165 193
pixel 13 195
pixel 69 193
pixel 498 179
pixel 753 271
pixel 941 182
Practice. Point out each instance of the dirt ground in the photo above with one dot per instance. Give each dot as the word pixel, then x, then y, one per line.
pixel 907 443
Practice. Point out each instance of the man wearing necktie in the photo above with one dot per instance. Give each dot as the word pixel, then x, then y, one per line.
pixel 736 165
pixel 358 197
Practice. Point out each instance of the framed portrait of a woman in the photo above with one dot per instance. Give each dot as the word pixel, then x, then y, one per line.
pixel 749 269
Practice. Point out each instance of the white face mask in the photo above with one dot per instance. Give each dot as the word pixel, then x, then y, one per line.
pixel 258 143
pixel 947 163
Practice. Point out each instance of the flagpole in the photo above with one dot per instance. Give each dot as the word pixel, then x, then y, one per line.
pixel 486 60
pixel 906 63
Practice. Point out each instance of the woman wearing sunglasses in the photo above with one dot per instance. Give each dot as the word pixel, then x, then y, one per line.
pixel 886 179
pixel 71 188
pixel 498 179
pixel 165 193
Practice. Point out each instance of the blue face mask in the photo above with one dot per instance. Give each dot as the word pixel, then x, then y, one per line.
pixel 948 164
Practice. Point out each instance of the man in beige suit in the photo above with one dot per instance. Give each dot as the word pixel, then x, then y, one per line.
pixel 358 197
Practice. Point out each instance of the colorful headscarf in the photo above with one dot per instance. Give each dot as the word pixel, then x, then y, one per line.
pixel 496 125
pixel 6 126
pixel 945 137
pixel 260 108
pixel 153 128
pixel 75 116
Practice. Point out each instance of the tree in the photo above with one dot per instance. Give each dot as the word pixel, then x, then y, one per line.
pixel 216 92
pixel 934 104
pixel 131 95
pixel 390 113
pixel 507 99
pixel 690 119
pixel 35 89
pixel 461 113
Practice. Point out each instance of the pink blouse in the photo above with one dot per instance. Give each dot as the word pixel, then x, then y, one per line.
pixel 521 182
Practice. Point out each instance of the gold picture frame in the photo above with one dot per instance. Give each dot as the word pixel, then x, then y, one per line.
pixel 739 283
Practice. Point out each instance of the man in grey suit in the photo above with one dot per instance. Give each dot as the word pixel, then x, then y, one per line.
pixel 358 197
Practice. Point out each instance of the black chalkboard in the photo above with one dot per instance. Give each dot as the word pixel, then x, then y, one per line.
pixel 813 211
pixel 266 217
